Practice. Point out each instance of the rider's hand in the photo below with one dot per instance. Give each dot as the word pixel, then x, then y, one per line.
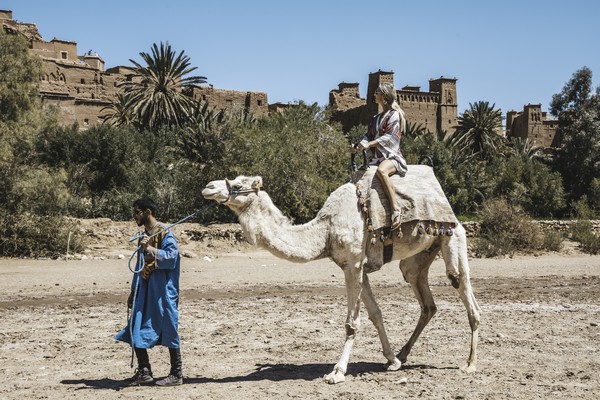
pixel 363 145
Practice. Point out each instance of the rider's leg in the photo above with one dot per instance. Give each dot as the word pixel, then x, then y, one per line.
pixel 384 171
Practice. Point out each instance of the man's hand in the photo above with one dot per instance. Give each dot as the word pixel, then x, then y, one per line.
pixel 144 241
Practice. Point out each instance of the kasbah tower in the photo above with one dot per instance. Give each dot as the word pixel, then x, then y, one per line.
pixel 435 110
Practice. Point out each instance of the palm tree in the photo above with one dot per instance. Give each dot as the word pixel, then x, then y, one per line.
pixel 155 92
pixel 480 129
pixel 197 141
pixel 208 131
pixel 525 148
pixel 119 112
pixel 415 129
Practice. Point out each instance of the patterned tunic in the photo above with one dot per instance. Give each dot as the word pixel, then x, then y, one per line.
pixel 385 129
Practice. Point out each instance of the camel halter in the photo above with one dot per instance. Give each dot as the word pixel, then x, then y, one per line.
pixel 234 192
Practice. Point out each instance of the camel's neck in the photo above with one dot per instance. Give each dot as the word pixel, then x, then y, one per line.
pixel 267 227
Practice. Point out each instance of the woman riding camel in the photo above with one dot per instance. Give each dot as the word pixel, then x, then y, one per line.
pixel 383 138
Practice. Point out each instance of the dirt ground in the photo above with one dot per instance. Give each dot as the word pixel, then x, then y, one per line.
pixel 257 327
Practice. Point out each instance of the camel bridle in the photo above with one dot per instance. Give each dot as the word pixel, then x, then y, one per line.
pixel 231 191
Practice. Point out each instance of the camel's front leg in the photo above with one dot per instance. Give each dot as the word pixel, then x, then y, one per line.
pixel 353 277
pixel 375 316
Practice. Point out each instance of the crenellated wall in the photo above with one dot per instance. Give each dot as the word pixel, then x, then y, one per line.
pixel 436 110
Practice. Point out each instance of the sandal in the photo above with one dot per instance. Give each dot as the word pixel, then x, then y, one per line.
pixel 396 220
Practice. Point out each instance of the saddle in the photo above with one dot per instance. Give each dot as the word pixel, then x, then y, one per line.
pixel 419 196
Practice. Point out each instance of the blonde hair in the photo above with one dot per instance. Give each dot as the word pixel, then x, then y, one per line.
pixel 389 96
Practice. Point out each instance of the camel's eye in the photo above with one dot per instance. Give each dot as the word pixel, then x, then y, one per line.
pixel 236 188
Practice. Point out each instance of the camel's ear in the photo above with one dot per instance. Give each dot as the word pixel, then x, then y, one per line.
pixel 257 184
pixel 228 184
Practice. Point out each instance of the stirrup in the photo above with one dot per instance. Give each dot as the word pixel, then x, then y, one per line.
pixel 396 220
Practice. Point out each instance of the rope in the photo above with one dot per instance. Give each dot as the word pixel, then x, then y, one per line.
pixel 140 266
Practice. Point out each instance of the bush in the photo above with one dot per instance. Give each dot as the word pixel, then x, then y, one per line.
pixel 300 157
pixel 506 229
pixel 39 190
pixel 553 241
pixel 30 235
pixel 529 183
pixel 582 232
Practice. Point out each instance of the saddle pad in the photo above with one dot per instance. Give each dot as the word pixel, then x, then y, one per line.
pixel 418 195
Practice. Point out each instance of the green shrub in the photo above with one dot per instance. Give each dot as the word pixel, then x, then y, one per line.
pixel 38 190
pixel 30 235
pixel 581 209
pixel 300 157
pixel 582 232
pixel 553 241
pixel 506 229
pixel 590 243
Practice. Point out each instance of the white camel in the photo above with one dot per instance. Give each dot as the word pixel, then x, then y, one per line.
pixel 339 232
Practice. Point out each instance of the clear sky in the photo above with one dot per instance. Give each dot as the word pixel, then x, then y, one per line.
pixel 508 52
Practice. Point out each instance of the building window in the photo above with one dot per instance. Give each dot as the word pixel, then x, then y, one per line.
pixel 82 81
pixel 64 55
pixel 86 122
pixel 259 102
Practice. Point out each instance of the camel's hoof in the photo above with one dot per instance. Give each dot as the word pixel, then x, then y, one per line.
pixel 393 365
pixel 455 280
pixel 469 368
pixel 334 377
pixel 402 356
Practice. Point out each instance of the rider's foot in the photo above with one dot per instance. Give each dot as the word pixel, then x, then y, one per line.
pixel 396 220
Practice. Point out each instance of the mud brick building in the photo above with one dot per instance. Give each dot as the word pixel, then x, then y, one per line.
pixel 435 110
pixel 533 124
pixel 80 86
pixel 222 99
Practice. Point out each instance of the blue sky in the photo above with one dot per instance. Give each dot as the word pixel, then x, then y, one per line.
pixel 507 52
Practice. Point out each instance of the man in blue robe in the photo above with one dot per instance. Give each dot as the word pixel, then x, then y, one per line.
pixel 154 298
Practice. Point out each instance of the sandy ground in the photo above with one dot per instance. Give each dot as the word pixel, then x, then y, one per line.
pixel 257 327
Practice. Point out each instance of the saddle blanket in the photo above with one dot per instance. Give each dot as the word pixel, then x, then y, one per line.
pixel 419 196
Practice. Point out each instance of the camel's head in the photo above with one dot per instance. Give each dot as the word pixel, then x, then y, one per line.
pixel 234 194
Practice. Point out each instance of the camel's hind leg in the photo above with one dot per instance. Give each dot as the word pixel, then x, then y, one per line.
pixel 415 270
pixel 375 316
pixel 454 251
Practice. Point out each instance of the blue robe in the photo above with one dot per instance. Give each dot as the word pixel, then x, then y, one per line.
pixel 154 314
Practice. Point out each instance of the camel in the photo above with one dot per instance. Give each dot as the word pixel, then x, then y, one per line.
pixel 339 232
